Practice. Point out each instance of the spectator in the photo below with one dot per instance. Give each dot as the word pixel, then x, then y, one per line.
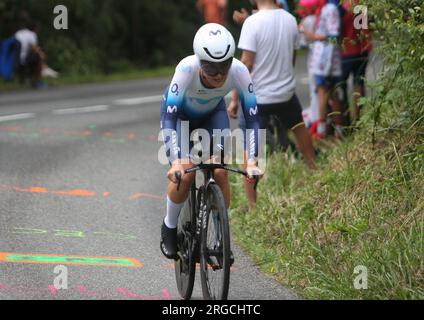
pixel 356 49
pixel 32 58
pixel 269 39
pixel 240 16
pixel 327 66
pixel 214 11
pixel 283 5
pixel 307 9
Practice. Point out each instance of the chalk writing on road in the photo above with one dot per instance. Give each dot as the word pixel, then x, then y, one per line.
pixel 33 258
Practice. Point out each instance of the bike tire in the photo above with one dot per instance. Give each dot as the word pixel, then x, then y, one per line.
pixel 215 207
pixel 185 266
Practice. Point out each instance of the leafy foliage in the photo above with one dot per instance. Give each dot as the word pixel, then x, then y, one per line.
pixel 365 203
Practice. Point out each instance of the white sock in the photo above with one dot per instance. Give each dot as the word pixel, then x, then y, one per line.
pixel 172 213
pixel 322 128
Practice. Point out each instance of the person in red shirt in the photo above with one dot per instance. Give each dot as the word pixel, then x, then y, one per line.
pixel 356 48
pixel 214 11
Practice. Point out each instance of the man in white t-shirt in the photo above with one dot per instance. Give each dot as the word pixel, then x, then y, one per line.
pixel 269 39
pixel 28 40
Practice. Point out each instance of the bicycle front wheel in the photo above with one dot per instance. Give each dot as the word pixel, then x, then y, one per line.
pixel 185 266
pixel 215 248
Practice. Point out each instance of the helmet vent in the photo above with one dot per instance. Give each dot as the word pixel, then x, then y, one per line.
pixel 217 57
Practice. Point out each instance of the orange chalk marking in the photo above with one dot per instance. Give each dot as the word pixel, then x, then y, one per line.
pixel 172 266
pixel 145 195
pixel 10 129
pixel 33 190
pixel 77 192
pixel 131 136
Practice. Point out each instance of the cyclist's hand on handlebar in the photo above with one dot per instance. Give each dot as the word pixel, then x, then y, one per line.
pixel 233 109
pixel 176 167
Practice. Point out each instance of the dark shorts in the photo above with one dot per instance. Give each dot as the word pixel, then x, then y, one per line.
pixel 357 66
pixel 289 114
pixel 328 81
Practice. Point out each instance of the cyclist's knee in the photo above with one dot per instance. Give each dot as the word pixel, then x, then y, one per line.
pixel 221 175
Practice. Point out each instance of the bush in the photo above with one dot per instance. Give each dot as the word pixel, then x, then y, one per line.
pixel 365 204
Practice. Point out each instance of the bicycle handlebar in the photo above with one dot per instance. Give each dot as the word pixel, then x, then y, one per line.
pixel 199 167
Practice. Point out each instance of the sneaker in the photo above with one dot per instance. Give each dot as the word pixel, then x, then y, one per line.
pixel 49 72
pixel 168 242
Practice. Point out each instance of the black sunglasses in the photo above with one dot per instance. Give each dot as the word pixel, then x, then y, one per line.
pixel 214 68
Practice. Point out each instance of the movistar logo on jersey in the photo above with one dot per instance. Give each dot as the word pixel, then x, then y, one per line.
pixel 250 88
pixel 173 109
pixel 253 111
pixel 215 33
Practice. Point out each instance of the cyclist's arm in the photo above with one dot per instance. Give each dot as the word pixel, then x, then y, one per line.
pixel 182 78
pixel 248 59
pixel 250 110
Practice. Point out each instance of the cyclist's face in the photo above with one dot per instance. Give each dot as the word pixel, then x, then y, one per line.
pixel 216 81
pixel 216 73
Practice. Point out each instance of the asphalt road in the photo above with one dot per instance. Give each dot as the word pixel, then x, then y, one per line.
pixel 80 183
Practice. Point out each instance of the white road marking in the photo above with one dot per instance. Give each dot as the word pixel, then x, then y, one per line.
pixel 138 100
pixel 21 116
pixel 81 110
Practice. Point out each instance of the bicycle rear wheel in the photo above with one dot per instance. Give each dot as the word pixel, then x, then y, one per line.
pixel 215 248
pixel 185 266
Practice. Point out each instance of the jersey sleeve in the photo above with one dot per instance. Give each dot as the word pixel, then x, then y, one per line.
pixel 173 103
pixel 248 36
pixel 297 37
pixel 250 110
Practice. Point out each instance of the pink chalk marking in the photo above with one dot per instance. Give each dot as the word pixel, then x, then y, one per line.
pixel 106 194
pixel 83 290
pixel 127 293
pixel 53 290
pixel 167 294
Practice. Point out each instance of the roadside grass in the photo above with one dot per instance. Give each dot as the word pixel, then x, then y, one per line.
pixel 364 206
pixel 70 79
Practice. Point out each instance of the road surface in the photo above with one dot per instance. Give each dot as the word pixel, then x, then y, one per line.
pixel 81 186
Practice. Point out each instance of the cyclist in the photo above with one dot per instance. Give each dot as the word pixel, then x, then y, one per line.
pixel 196 94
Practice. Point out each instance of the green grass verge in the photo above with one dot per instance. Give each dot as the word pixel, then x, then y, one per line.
pixel 133 74
pixel 364 206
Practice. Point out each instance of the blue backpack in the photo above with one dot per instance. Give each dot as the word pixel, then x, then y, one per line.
pixel 9 57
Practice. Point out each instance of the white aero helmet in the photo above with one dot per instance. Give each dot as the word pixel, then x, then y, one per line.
pixel 214 43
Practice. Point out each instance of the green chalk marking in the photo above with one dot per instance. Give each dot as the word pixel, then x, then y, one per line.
pixel 89 261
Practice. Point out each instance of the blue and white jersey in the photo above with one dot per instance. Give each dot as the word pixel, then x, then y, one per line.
pixel 189 99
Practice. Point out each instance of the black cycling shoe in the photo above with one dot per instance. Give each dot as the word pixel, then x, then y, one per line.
pixel 168 242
